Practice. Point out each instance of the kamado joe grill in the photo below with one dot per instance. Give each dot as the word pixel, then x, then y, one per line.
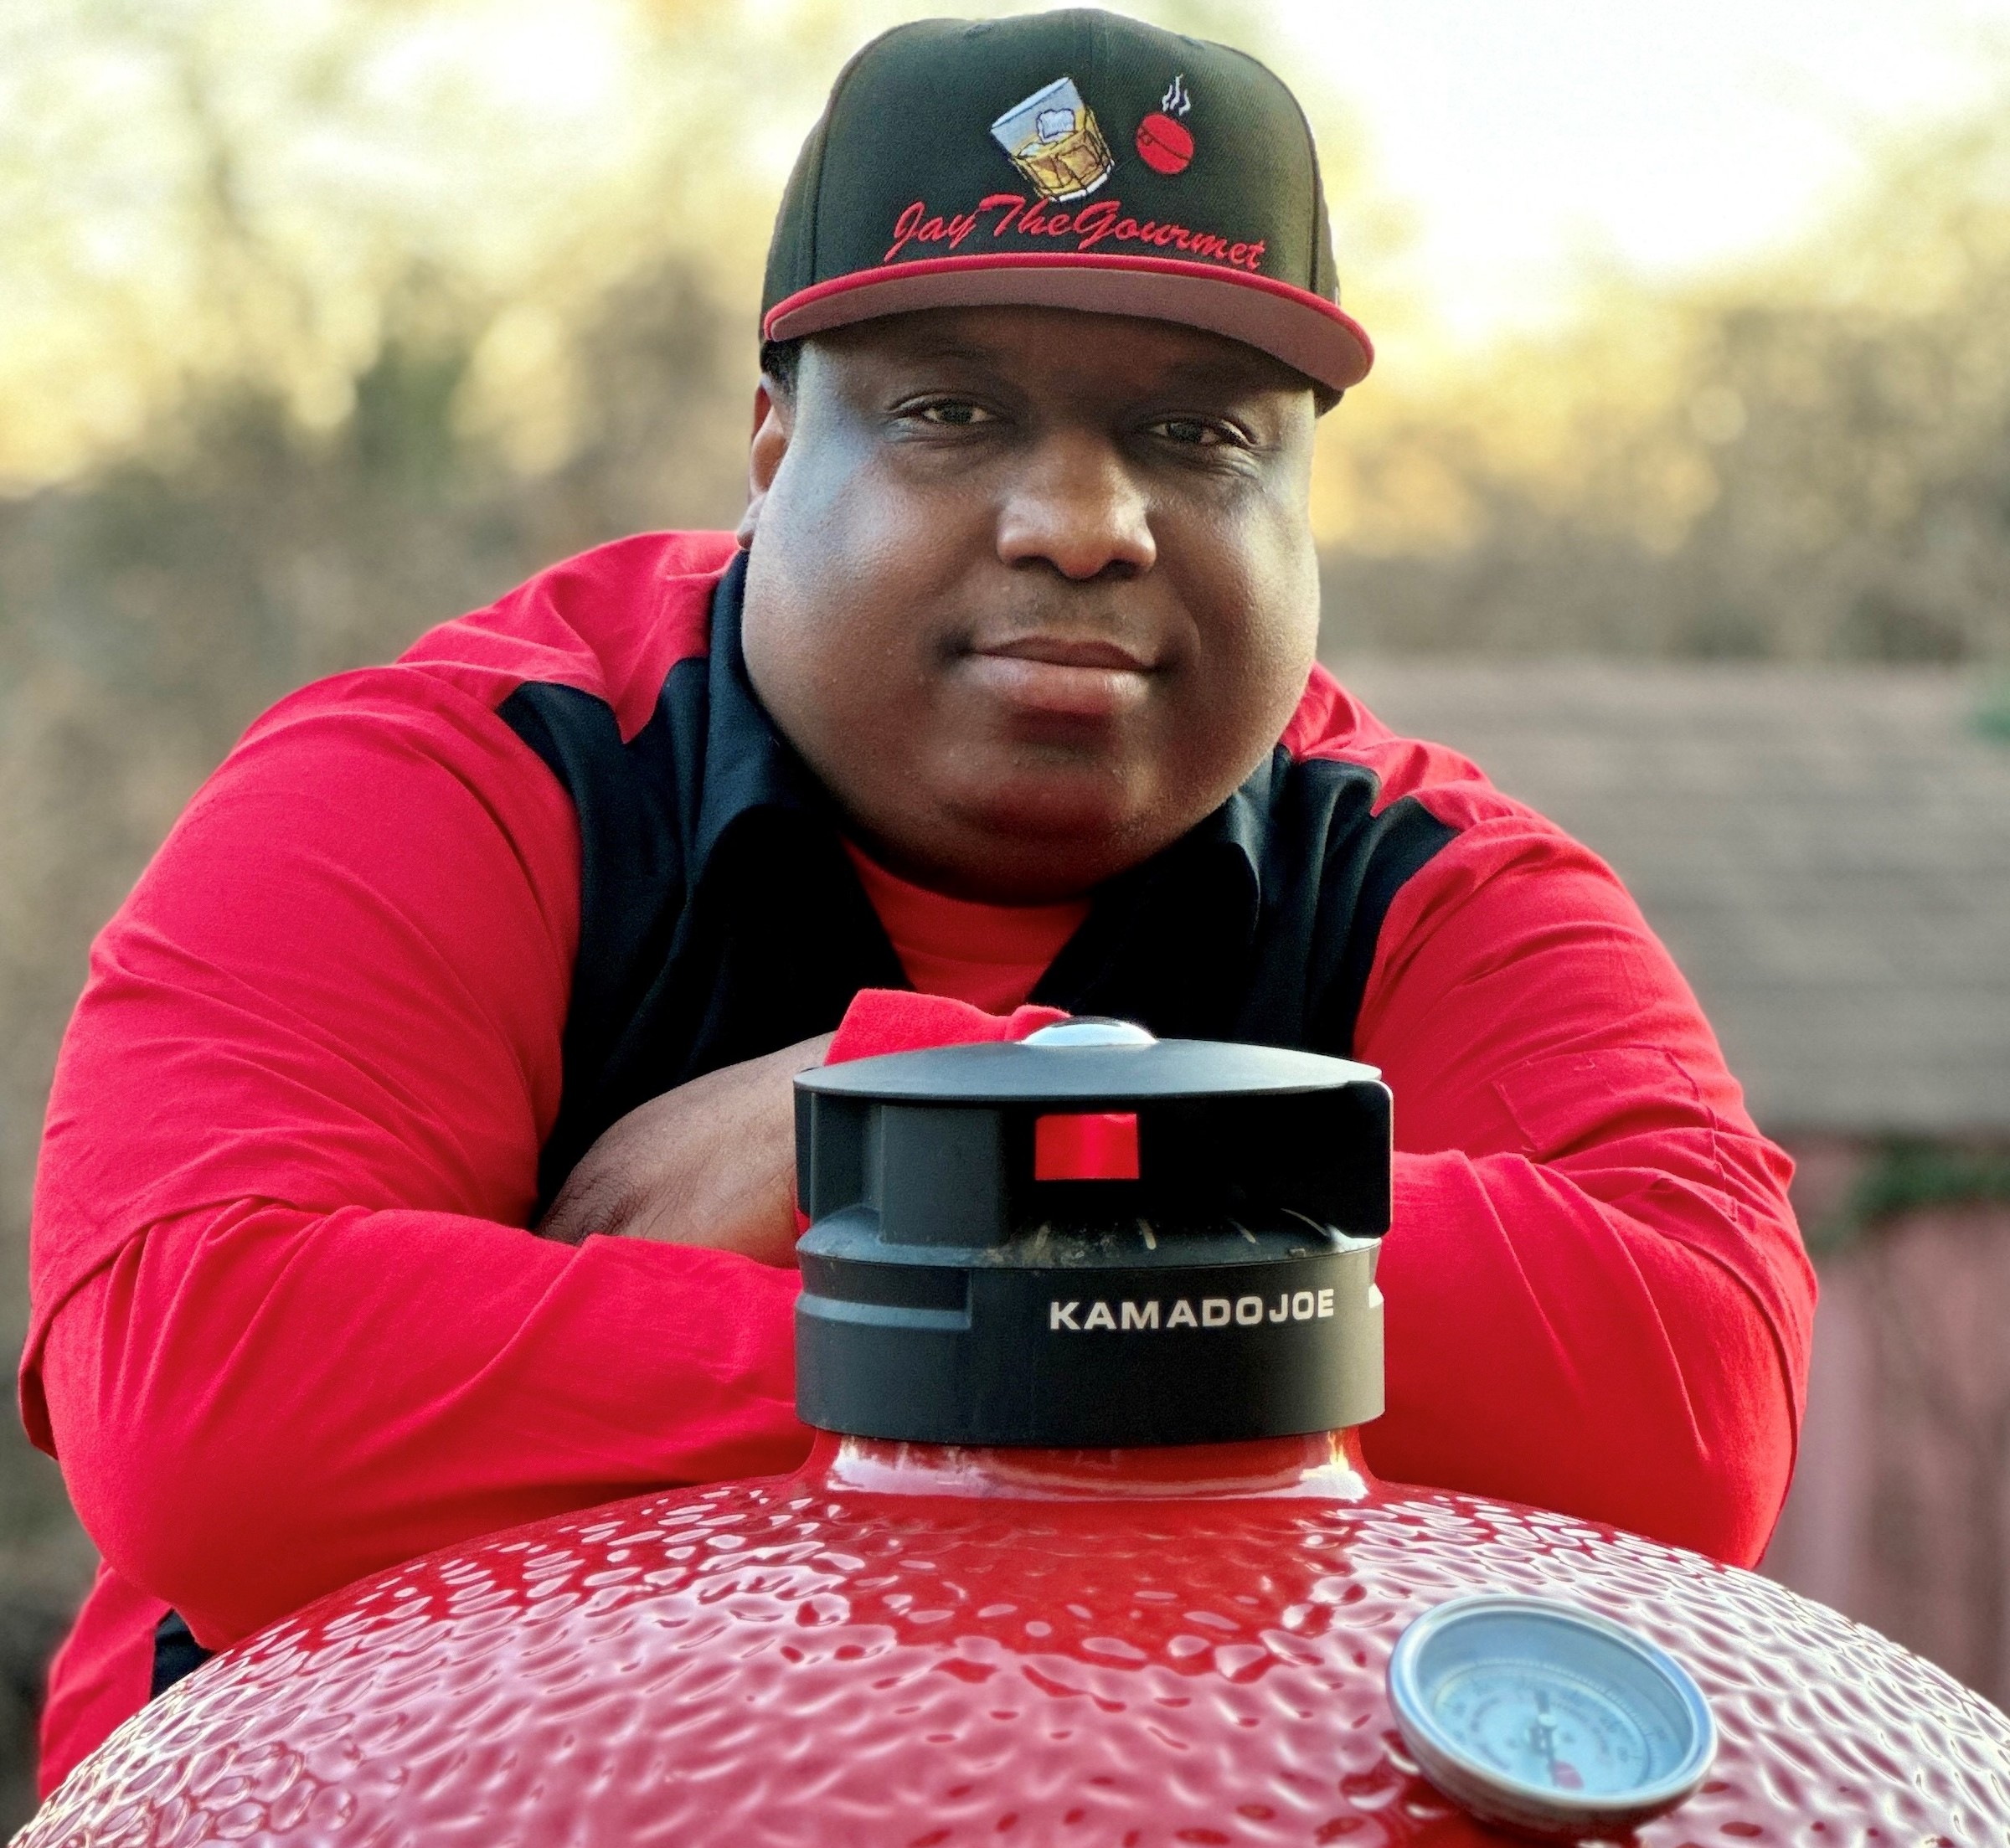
pixel 1085 1553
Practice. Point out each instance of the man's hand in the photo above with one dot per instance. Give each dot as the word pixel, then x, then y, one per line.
pixel 710 1163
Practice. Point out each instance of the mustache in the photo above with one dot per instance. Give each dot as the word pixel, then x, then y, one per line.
pixel 1072 635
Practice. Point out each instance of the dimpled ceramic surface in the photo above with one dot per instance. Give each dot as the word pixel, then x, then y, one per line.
pixel 805 1660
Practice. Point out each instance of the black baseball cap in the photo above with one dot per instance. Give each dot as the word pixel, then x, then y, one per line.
pixel 1074 160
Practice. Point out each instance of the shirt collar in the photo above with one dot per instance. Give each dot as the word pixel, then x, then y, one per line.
pixel 748 766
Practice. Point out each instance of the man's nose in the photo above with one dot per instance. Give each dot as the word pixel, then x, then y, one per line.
pixel 1076 507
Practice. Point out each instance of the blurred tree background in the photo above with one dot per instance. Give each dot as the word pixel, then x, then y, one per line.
pixel 321 322
pixel 1805 459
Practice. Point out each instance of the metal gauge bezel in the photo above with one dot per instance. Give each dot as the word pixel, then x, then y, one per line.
pixel 1577 1646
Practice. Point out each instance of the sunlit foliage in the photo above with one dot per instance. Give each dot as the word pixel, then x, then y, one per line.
pixel 1809 457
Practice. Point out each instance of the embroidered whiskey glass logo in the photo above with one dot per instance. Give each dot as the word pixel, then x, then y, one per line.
pixel 1053 139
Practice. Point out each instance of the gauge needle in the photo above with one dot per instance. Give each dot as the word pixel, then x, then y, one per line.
pixel 1541 1735
pixel 1542 1742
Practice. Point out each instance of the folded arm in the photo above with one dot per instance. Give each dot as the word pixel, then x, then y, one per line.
pixel 290 1324
pixel 1597 1299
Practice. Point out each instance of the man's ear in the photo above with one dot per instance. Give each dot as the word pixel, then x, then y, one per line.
pixel 771 421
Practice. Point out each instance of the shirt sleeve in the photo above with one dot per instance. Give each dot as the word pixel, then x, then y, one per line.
pixel 1596 1297
pixel 289 1325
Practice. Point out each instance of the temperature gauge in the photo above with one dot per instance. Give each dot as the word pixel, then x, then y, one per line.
pixel 1546 1717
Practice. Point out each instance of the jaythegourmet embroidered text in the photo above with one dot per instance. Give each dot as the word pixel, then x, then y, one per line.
pixel 1106 220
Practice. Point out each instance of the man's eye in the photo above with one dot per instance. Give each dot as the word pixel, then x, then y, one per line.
pixel 958 413
pixel 1195 432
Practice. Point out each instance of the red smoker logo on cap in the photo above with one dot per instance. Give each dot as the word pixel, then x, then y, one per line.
pixel 1165 143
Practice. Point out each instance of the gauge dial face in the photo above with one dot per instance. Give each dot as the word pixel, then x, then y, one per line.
pixel 1545 1728
pixel 1551 1719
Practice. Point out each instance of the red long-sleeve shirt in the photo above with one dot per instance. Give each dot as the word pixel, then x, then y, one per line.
pixel 289 1327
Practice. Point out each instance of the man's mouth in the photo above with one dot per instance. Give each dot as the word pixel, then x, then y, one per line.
pixel 1063 676
pixel 1069 651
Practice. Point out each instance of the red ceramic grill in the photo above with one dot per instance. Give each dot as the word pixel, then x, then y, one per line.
pixel 1085 1554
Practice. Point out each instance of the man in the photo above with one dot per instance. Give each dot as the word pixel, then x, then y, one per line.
pixel 1004 691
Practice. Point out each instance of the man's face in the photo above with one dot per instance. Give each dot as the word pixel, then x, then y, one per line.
pixel 1031 590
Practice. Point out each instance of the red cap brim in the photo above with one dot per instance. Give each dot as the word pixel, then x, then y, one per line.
pixel 1307 332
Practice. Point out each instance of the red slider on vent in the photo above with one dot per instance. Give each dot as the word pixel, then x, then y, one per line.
pixel 1096 1146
